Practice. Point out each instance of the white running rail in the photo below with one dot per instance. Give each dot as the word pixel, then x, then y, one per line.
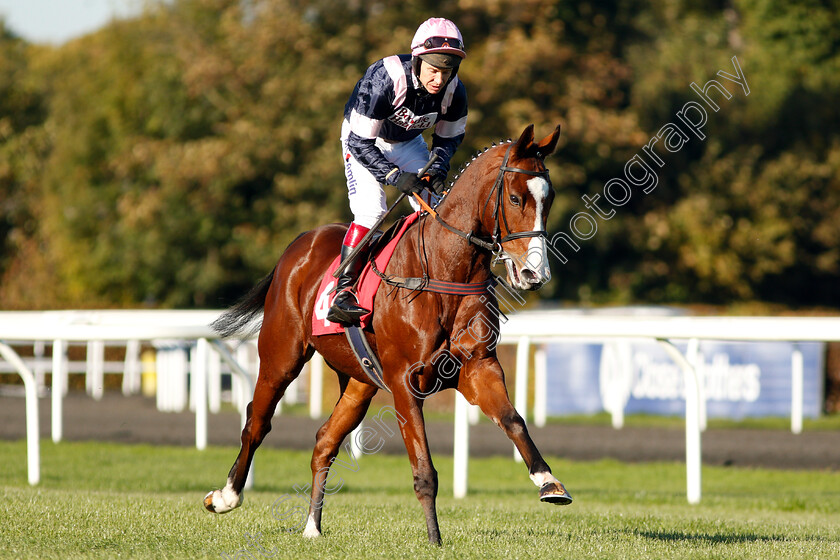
pixel 523 329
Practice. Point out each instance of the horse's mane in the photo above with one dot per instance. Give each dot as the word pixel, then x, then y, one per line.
pixel 477 155
pixel 466 165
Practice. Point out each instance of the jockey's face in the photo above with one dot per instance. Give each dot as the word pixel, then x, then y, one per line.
pixel 433 78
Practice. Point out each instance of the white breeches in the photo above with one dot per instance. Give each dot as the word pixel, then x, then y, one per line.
pixel 367 198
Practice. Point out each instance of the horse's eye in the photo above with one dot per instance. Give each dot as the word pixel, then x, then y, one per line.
pixel 514 200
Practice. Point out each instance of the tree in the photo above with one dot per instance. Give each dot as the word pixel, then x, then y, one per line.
pixel 168 159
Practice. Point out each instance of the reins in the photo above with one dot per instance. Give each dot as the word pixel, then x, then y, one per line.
pixel 492 244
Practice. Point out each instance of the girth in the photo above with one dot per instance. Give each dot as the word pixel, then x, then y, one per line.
pixel 426 284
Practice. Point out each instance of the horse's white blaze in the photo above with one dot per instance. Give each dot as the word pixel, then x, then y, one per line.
pixel 541 478
pixel 311 530
pixel 537 258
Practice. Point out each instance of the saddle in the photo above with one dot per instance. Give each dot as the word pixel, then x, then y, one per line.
pixel 382 250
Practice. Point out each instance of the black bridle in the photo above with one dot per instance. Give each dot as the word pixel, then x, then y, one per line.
pixel 494 243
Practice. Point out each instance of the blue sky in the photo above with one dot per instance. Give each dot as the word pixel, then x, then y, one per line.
pixel 57 21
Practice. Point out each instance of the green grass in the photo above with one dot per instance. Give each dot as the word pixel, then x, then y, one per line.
pixel 104 500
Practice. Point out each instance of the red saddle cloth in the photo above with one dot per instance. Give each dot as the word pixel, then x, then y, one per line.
pixel 365 288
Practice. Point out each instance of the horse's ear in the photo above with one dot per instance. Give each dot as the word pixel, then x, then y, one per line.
pixel 525 141
pixel 547 144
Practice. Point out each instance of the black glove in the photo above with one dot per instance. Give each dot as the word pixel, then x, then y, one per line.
pixel 436 182
pixel 408 183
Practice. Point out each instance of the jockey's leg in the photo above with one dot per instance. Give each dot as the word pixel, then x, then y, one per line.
pixel 368 204
pixel 345 309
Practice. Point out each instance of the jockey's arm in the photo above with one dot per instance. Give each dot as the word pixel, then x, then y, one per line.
pixel 445 149
pixel 449 132
pixel 366 153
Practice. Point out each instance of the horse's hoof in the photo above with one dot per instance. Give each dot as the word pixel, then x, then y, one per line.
pixel 208 502
pixel 555 493
pixel 221 501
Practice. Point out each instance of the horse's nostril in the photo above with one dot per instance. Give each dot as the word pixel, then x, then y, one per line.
pixel 529 275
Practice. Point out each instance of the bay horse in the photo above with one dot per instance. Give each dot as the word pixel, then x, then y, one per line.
pixel 496 209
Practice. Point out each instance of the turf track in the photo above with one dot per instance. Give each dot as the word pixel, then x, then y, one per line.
pixel 106 500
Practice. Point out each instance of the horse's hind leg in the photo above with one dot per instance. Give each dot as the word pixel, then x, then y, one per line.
pixel 275 376
pixel 347 415
pixel 484 386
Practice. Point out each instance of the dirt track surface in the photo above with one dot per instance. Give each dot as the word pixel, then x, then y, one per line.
pixel 136 420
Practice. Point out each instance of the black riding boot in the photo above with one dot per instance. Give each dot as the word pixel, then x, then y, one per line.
pixel 345 309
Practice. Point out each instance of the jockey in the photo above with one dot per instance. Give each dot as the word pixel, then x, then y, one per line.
pixel 395 101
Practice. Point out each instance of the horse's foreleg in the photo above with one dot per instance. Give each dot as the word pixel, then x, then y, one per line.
pixel 347 415
pixel 484 386
pixel 413 430
pixel 267 393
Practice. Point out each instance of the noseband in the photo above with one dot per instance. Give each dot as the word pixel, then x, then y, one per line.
pixel 494 243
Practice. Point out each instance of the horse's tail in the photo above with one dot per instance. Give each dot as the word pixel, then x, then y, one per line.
pixel 242 314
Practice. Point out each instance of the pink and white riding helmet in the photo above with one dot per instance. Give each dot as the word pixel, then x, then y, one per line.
pixel 438 36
